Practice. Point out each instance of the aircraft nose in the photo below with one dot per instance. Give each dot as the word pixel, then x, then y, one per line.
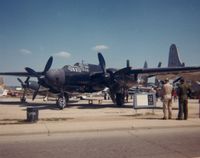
pixel 55 77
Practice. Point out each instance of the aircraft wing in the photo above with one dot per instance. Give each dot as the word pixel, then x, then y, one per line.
pixel 22 74
pixel 192 76
pixel 165 71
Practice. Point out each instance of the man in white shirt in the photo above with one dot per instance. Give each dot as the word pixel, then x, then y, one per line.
pixel 167 99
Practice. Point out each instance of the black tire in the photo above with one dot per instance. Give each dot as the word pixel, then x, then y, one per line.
pixel 23 100
pixel 61 103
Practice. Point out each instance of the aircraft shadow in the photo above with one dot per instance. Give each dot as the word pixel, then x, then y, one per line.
pixel 9 102
pixel 25 121
pixel 52 106
pixel 42 106
pixel 13 122
pixel 96 106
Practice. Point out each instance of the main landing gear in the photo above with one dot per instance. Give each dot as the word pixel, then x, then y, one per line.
pixel 120 99
pixel 23 99
pixel 62 101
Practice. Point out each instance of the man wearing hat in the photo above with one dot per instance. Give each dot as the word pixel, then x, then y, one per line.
pixel 183 91
pixel 167 99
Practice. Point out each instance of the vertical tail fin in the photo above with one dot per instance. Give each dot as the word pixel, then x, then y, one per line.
pixel 145 65
pixel 159 64
pixel 174 59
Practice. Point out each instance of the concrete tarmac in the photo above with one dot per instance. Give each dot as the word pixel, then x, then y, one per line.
pixel 81 117
pixel 147 143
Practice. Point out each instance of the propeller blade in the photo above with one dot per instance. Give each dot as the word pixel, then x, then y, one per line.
pixel 177 79
pixel 27 81
pixel 102 62
pixel 35 93
pixel 48 65
pixel 32 72
pixel 20 81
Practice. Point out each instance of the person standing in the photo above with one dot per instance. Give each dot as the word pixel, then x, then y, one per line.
pixel 183 91
pixel 167 99
pixel 174 95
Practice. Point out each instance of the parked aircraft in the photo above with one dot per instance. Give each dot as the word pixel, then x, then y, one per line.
pixel 192 78
pixel 175 61
pixel 92 78
pixel 3 92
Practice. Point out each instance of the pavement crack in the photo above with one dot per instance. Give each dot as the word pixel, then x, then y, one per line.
pixel 157 144
pixel 48 131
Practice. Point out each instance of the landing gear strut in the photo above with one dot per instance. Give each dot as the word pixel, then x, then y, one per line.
pixel 120 99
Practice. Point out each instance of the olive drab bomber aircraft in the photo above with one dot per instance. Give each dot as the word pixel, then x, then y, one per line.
pixel 88 78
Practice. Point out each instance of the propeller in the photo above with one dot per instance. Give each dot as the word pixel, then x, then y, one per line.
pixel 35 93
pixel 48 65
pixel 32 72
pixel 102 62
pixel 24 84
pixel 111 77
pixel 38 75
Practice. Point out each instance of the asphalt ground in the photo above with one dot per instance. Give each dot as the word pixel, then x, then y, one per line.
pixel 83 117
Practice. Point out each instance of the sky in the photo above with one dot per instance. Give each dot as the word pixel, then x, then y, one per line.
pixel 75 30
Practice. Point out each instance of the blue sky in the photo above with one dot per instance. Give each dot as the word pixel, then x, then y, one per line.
pixel 74 30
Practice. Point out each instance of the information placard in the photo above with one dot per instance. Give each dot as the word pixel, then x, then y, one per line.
pixel 144 100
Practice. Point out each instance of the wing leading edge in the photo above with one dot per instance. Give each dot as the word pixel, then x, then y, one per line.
pixel 165 71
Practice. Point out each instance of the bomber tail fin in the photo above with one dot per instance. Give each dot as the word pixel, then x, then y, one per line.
pixel 145 65
pixel 174 59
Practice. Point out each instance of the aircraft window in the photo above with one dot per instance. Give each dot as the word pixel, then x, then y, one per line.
pixel 77 64
pixel 65 67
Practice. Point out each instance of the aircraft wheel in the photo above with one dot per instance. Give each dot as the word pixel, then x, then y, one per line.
pixel 120 99
pixel 23 100
pixel 66 97
pixel 61 102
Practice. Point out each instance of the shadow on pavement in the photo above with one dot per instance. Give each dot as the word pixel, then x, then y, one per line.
pixel 52 106
pixel 99 106
pixel 9 102
pixel 24 121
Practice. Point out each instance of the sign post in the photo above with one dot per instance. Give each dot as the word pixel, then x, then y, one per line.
pixel 199 106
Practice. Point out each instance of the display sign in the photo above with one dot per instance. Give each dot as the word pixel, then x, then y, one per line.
pixel 144 100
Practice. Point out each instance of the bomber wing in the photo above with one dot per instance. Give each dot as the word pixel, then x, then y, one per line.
pixel 192 76
pixel 165 71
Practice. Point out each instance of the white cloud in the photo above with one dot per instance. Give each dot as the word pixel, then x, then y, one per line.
pixel 25 51
pixel 63 54
pixel 100 47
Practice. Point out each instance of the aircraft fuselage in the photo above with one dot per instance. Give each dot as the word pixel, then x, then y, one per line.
pixel 80 78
